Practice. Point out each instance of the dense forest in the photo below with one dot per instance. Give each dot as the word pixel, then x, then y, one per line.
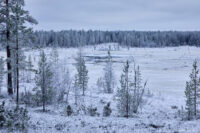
pixel 72 38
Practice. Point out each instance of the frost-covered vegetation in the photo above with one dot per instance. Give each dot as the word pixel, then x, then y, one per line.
pixel 73 38
pixel 163 107
pixel 109 87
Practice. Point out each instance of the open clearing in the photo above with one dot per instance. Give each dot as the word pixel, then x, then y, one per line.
pixel 165 69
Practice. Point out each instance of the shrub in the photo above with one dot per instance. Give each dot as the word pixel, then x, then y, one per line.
pixel 13 118
pixel 92 111
pixel 27 98
pixel 69 110
pixel 107 110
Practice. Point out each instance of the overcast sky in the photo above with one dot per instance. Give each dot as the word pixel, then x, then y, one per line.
pixel 116 14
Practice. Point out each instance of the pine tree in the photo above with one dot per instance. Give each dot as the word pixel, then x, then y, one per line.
pixel 78 98
pixel 195 80
pixel 6 22
pixel 124 93
pixel 19 17
pixel 192 92
pixel 138 89
pixel 13 18
pixel 189 100
pixel 109 75
pixel 44 81
pixel 1 73
pixel 82 74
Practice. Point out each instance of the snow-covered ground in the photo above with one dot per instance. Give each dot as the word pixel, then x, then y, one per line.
pixel 165 69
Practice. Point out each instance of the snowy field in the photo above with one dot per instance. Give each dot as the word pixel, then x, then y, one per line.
pixel 165 69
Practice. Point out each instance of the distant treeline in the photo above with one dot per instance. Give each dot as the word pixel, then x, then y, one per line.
pixel 72 38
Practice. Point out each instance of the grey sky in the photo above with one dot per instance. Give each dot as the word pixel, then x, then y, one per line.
pixel 116 14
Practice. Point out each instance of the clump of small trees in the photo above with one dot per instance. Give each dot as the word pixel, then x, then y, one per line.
pixel 131 91
pixel 52 85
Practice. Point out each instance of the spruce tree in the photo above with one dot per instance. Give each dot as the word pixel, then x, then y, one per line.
pixel 109 75
pixel 189 100
pixel 82 72
pixel 124 93
pixel 192 92
pixel 43 78
pixel 138 89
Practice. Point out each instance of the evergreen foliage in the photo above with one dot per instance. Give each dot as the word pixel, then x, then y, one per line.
pixel 130 93
pixel 82 72
pixel 107 110
pixel 13 118
pixel 75 38
pixel 69 110
pixel 44 90
pixel 109 80
pixel 192 92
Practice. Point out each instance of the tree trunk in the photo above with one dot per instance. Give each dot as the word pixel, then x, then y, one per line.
pixel 43 89
pixel 127 102
pixel 43 102
pixel 195 90
pixel 17 66
pixel 83 89
pixel 8 50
